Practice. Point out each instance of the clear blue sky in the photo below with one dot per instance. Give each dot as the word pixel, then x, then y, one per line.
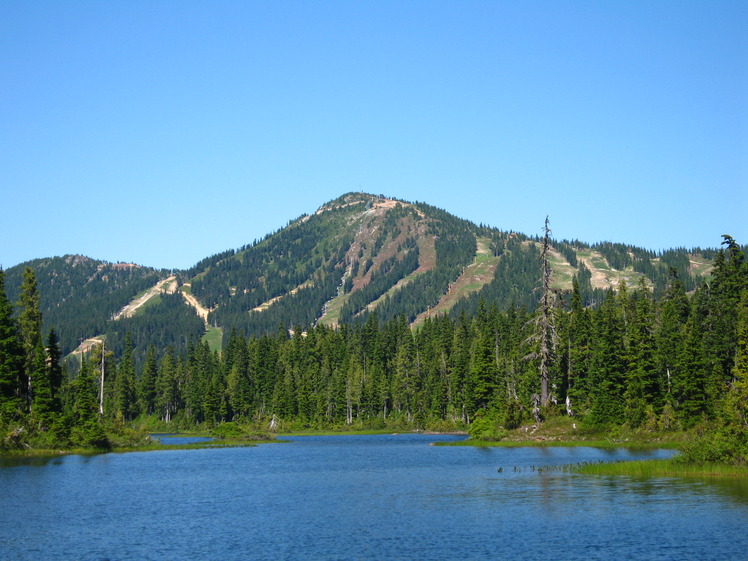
pixel 164 132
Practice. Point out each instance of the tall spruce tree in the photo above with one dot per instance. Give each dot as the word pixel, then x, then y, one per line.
pixel 690 383
pixel 460 393
pixel 167 387
pixel 719 326
pixel 11 359
pixel 674 311
pixel 608 364
pixel 30 325
pixel 577 349
pixel 147 384
pixel 125 397
pixel 643 392
pixel 736 409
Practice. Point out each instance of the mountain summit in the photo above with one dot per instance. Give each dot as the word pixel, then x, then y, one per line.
pixel 355 256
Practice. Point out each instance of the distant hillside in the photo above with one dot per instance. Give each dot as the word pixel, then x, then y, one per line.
pixel 357 255
pixel 80 295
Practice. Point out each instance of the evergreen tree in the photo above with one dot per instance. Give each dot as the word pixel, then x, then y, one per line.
pixel 125 394
pixel 483 370
pixel 38 385
pixel 54 367
pixel 736 410
pixel 239 388
pixel 720 321
pixel 44 409
pixel 167 387
pixel 284 394
pixel 577 354
pixel 729 443
pixel 405 385
pixel 608 364
pixel 643 393
pixel 11 359
pixel 147 385
pixel 460 394
pixel 690 381
pixel 674 311
pixel 30 326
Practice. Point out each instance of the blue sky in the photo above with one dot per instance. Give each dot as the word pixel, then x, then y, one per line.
pixel 163 132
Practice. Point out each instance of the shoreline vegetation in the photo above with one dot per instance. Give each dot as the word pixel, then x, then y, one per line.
pixel 556 432
pixel 673 467
pixel 637 369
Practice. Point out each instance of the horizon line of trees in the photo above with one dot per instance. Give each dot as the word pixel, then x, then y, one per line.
pixel 646 362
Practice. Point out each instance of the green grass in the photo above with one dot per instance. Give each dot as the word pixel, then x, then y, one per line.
pixel 662 468
pixel 151 446
pixel 334 306
pixel 214 337
pixel 152 301
pixel 562 272
pixel 609 444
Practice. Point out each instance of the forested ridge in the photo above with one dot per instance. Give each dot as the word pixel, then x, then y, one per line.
pixel 357 254
pixel 80 295
pixel 638 358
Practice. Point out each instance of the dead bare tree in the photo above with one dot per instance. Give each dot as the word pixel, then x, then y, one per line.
pixel 544 334
pixel 547 325
pixel 101 389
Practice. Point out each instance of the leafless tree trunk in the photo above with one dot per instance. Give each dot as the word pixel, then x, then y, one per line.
pixel 544 333
pixel 101 389
pixel 546 324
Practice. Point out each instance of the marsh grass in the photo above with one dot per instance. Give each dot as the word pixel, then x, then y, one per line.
pixel 608 444
pixel 661 468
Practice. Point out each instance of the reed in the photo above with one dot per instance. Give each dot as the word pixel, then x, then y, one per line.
pixel 662 468
pixel 633 444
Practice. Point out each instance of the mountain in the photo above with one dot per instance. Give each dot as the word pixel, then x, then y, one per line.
pixel 357 255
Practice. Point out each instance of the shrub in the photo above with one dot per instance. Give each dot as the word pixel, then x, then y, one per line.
pixel 726 446
pixel 486 428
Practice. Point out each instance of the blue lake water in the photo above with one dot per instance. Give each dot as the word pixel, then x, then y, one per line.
pixel 176 438
pixel 360 497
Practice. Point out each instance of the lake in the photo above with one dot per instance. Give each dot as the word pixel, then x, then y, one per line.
pixel 361 497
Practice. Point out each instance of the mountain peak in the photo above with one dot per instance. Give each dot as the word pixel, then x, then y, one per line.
pixel 356 255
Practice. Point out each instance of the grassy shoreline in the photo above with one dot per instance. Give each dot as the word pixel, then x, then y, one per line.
pixel 639 468
pixel 609 444
pixel 151 446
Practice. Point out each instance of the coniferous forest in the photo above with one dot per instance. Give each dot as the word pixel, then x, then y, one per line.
pixel 639 359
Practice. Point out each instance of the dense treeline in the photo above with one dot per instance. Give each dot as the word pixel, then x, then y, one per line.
pixel 37 402
pixel 273 268
pixel 166 322
pixel 636 360
pixel 302 263
pixel 388 273
pixel 81 293
pixel 290 276
pixel 303 306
